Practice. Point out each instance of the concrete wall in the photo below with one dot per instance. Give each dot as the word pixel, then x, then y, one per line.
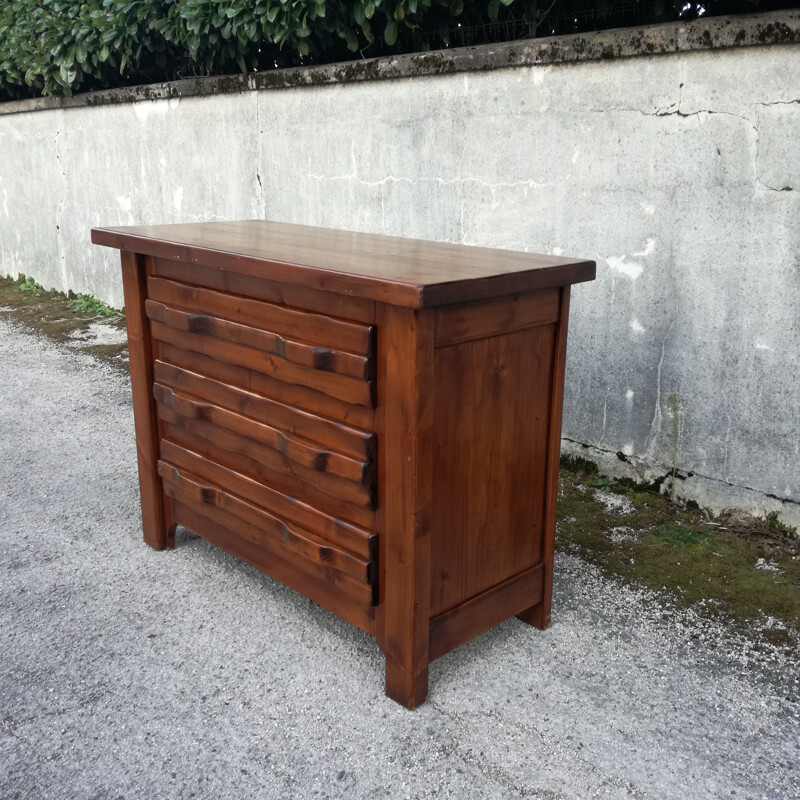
pixel 678 173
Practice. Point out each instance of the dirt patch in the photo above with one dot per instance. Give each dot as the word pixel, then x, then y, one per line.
pixel 734 565
pixel 77 321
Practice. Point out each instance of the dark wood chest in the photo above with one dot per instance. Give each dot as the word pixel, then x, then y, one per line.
pixel 373 421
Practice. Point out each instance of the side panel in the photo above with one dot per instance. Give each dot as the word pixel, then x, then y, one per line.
pixel 492 401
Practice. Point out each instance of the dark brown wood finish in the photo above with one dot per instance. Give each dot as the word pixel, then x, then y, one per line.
pixel 339 593
pixel 355 309
pixel 538 614
pixel 306 398
pixel 405 370
pixel 263 526
pixel 322 358
pixel 157 532
pixel 359 541
pixel 374 422
pixel 342 438
pixel 316 329
pixel 466 323
pixel 491 401
pixel 340 387
pixel 484 611
pixel 398 271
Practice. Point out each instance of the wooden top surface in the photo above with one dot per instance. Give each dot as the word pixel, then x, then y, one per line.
pixel 406 272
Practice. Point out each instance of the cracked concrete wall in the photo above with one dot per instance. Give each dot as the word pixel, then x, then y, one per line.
pixel 677 173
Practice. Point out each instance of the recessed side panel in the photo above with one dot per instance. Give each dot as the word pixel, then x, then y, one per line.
pixel 491 418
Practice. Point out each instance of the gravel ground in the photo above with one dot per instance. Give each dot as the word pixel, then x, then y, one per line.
pixel 125 672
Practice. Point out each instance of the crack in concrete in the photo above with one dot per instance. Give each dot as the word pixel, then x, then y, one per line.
pixel 684 474
pixel 527 185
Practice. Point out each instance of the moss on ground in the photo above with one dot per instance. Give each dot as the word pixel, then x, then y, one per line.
pixel 63 318
pixel 741 567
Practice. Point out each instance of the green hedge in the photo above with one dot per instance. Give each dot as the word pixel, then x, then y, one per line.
pixel 56 47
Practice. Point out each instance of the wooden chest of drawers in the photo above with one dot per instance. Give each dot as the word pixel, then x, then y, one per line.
pixel 373 421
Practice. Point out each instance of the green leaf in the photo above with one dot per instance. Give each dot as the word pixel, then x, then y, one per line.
pixel 390 32
pixel 351 39
pixel 67 74
pixel 240 62
pixel 456 8
pixel 494 9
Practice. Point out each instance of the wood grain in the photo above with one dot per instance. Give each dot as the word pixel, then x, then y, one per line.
pixel 539 614
pixel 293 452
pixel 212 443
pixel 373 421
pixel 321 358
pixel 305 398
pixel 234 444
pixel 340 387
pixel 355 309
pixel 484 611
pixel 157 533
pixel 490 444
pixel 314 329
pixel 263 526
pixel 406 374
pixel 345 597
pixel 345 439
pixel 404 272
pixel 464 323
pixel 356 540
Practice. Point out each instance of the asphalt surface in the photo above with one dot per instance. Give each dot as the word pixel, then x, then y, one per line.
pixel 125 672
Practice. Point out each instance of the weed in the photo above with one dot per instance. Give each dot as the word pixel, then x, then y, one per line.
pixel 606 482
pixel 87 304
pixel 28 284
pixel 774 524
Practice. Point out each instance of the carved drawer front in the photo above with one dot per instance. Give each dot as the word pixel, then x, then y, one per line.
pixel 266 415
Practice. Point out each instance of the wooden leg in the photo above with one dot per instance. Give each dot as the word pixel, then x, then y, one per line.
pixel 538 615
pixel 157 533
pixel 406 424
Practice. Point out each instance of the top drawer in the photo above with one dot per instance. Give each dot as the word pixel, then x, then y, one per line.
pixel 297 347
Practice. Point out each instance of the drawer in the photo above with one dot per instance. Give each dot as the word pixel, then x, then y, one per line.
pixel 307 560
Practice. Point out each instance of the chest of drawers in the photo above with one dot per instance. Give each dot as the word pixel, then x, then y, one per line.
pixel 373 421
